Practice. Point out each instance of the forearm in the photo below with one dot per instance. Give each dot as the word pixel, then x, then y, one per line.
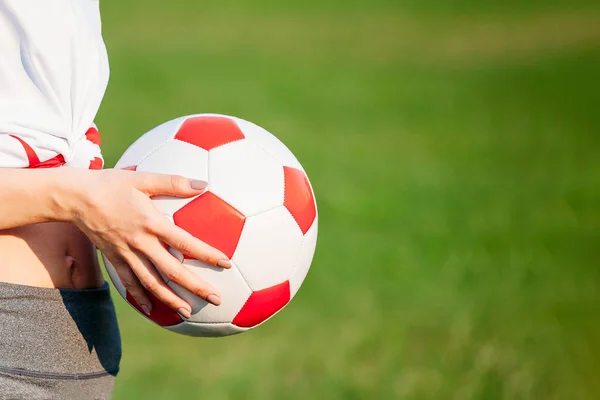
pixel 30 196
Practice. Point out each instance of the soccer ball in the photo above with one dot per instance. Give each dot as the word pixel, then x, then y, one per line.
pixel 259 209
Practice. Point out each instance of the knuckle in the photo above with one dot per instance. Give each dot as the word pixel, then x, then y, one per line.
pixel 209 258
pixel 171 302
pixel 177 182
pixel 200 291
pixel 173 274
pixel 125 275
pixel 148 222
pixel 128 284
pixel 212 259
pixel 184 247
pixel 151 286
pixel 136 241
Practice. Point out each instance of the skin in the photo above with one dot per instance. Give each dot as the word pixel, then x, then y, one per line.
pixel 51 219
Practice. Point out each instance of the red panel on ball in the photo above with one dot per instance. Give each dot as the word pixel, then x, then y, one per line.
pixel 262 304
pixel 298 198
pixel 213 221
pixel 161 314
pixel 132 168
pixel 209 132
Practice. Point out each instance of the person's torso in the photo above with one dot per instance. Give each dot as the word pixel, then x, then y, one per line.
pixel 53 75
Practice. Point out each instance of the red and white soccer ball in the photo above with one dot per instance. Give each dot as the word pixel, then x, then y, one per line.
pixel 259 209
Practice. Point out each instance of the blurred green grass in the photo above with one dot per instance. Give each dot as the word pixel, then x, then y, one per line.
pixel 453 147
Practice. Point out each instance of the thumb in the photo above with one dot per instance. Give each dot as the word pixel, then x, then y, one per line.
pixel 171 185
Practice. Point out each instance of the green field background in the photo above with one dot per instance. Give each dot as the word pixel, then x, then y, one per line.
pixel 454 150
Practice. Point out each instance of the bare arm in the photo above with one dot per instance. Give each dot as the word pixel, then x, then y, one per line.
pixel 32 196
pixel 113 208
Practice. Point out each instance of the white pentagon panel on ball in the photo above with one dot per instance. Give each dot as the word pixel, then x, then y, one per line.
pixel 206 329
pixel 148 143
pixel 269 142
pixel 232 287
pixel 247 177
pixel 305 258
pixel 268 248
pixel 176 158
pixel 169 205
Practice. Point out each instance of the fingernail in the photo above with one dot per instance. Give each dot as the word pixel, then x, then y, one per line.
pixel 198 185
pixel 184 312
pixel 214 299
pixel 224 264
pixel 146 309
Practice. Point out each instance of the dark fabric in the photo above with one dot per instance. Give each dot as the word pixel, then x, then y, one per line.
pixel 57 344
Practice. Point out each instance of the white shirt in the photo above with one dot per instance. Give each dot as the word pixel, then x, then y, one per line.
pixel 53 75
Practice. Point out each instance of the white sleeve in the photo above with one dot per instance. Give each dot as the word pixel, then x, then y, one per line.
pixel 53 75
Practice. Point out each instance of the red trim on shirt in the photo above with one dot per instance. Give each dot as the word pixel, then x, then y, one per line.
pixel 57 161
pixel 54 162
pixel 93 136
pixel 32 157
pixel 96 163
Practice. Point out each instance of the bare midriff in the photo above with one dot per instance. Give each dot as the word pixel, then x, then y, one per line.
pixel 51 255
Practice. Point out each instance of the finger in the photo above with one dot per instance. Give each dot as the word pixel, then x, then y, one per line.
pixel 153 283
pixel 189 245
pixel 176 272
pixel 132 285
pixel 168 185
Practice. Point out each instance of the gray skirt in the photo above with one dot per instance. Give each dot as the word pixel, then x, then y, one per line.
pixel 57 344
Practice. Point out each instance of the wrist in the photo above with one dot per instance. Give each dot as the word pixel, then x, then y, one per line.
pixel 67 194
